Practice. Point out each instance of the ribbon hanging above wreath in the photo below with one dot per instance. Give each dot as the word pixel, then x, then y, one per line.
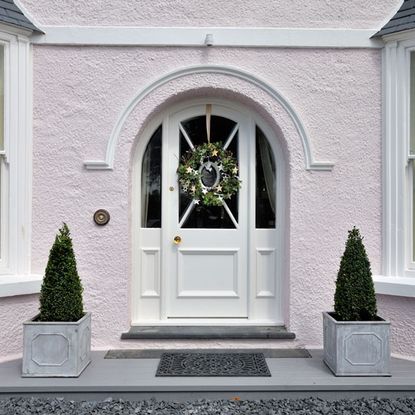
pixel 208 173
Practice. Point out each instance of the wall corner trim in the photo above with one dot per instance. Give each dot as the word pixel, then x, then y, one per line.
pixel 108 162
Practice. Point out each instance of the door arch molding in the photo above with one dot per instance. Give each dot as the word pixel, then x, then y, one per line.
pixel 281 276
pixel 310 162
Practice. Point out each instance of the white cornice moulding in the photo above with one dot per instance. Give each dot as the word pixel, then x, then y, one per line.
pixel 310 162
pixel 196 36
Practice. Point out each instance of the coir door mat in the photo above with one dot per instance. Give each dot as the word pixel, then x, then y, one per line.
pixel 156 354
pixel 213 364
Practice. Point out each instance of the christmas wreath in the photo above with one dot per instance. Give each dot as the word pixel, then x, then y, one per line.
pixel 209 174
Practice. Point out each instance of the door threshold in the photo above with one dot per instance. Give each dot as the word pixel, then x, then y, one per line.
pixel 175 321
pixel 208 333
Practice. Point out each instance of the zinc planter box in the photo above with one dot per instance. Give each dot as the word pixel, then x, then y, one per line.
pixel 356 348
pixel 56 349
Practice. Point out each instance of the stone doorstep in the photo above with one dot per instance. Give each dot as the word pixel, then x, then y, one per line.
pixel 157 353
pixel 208 333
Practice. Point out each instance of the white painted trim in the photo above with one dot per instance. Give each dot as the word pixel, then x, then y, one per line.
pixel 15 277
pixel 281 247
pixel 11 285
pixel 18 153
pixel 400 36
pixel 397 268
pixel 206 322
pixel 310 162
pixel 399 286
pixel 14 30
pixel 196 36
pixel 403 356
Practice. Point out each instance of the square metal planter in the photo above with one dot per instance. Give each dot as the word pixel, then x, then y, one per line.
pixel 56 349
pixel 356 348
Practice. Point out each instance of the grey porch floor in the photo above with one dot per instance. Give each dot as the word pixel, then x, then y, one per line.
pixel 134 379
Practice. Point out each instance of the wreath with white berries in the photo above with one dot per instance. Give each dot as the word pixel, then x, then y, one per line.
pixel 206 157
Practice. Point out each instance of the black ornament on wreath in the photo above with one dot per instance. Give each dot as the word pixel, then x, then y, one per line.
pixel 209 174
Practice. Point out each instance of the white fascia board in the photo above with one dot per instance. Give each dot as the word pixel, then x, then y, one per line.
pixel 394 37
pixel 12 285
pixel 196 36
pixel 398 286
pixel 14 30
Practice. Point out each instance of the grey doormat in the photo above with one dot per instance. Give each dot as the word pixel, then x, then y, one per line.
pixel 213 364
pixel 156 354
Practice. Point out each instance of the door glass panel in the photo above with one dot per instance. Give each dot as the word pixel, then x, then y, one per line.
pixel 265 182
pixel 193 133
pixel 184 199
pixel 209 217
pixel 233 201
pixel 220 129
pixel 151 183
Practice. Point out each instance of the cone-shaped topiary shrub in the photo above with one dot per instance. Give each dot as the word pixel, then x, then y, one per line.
pixel 61 292
pixel 355 298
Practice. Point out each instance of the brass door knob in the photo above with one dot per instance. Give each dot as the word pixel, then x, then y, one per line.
pixel 177 239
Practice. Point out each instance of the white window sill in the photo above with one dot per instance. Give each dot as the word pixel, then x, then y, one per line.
pixel 11 285
pixel 400 286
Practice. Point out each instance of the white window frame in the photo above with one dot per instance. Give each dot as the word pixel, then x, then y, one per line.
pixel 398 268
pixel 16 166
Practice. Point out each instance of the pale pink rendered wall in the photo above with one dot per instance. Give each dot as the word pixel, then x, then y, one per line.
pixel 358 14
pixel 79 93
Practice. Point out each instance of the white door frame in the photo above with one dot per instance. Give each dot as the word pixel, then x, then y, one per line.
pixel 148 306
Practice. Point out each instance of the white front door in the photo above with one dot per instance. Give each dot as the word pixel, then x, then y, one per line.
pixel 227 266
pixel 208 268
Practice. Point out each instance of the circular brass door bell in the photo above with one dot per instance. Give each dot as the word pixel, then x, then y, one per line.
pixel 101 217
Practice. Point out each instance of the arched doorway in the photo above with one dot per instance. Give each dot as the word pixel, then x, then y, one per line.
pixel 198 264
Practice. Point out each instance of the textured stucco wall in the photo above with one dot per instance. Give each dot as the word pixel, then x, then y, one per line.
pixel 79 93
pixel 275 13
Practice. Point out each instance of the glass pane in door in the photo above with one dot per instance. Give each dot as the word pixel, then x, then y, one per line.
pixel 265 183
pixel 192 134
pixel 209 217
pixel 151 183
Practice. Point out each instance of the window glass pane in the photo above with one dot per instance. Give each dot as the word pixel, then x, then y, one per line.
pixel 151 183
pixel 412 105
pixel 1 98
pixel 412 144
pixel 413 210
pixel 265 183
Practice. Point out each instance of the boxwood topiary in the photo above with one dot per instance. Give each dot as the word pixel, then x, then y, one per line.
pixel 61 292
pixel 355 298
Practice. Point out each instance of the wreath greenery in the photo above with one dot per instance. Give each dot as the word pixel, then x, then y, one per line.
pixel 202 160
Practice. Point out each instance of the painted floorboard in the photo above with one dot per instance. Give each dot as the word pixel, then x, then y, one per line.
pixel 137 376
